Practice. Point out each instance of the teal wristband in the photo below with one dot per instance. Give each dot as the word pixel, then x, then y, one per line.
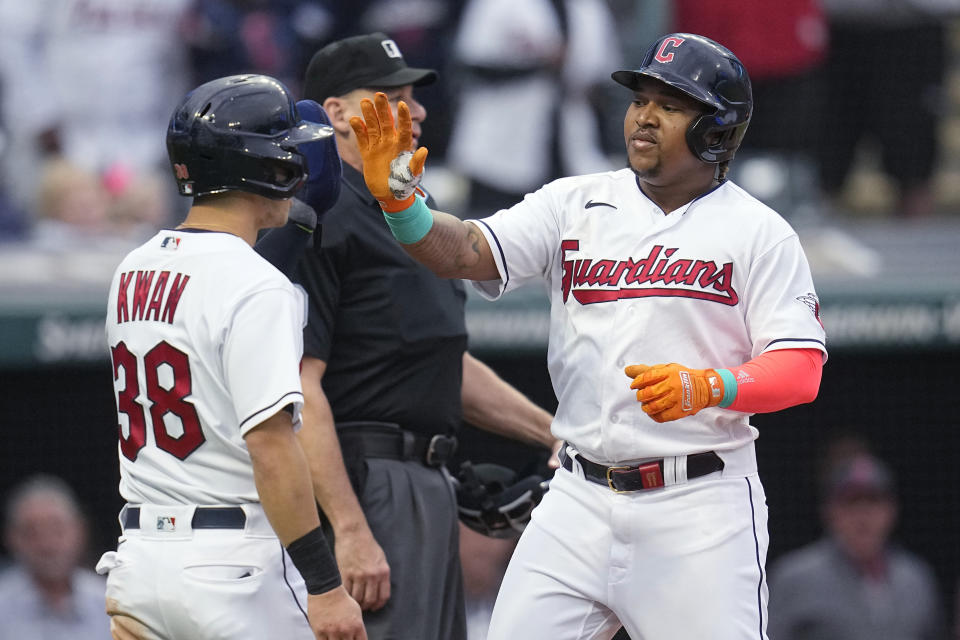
pixel 411 224
pixel 729 387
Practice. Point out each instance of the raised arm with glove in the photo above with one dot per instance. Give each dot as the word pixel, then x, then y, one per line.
pixel 453 248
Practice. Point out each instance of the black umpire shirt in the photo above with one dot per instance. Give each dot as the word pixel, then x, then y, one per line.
pixel 391 332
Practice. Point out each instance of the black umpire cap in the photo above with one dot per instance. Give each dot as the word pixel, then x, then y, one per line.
pixel 372 60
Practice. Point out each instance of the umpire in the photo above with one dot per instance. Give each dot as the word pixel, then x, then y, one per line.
pixel 387 378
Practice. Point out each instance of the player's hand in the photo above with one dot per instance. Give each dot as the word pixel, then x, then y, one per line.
pixel 391 169
pixel 672 391
pixel 363 568
pixel 554 461
pixel 334 615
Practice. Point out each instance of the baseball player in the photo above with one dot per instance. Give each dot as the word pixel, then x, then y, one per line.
pixel 669 273
pixel 204 336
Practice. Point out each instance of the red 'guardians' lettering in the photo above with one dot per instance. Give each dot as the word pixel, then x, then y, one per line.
pixel 620 279
pixel 151 299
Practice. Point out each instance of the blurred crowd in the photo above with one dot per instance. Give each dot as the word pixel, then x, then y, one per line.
pixel 87 86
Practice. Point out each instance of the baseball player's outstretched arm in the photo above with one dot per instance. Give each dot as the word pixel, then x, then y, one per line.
pixel 283 483
pixel 362 562
pixel 448 246
pixel 454 249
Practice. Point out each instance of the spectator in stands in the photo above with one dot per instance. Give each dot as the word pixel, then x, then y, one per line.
pixel 782 45
pixel 77 210
pixel 272 37
pixel 92 81
pixel 139 204
pixel 884 80
pixel 44 593
pixel 527 74
pixel 71 207
pixel 855 583
pixel 424 30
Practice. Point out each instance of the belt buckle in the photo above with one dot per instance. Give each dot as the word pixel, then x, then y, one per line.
pixel 651 477
pixel 440 448
pixel 610 471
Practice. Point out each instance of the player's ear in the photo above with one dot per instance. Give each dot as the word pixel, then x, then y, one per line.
pixel 339 114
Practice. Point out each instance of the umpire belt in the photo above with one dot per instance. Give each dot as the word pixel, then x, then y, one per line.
pixel 388 440
pixel 203 518
pixel 648 475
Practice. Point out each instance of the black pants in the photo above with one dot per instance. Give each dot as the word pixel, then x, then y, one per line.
pixel 412 512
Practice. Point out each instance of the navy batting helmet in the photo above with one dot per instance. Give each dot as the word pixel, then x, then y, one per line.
pixel 710 74
pixel 240 133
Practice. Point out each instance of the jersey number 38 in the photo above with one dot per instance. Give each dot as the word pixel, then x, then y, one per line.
pixel 164 401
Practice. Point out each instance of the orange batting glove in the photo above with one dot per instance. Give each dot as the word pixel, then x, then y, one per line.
pixel 672 391
pixel 391 169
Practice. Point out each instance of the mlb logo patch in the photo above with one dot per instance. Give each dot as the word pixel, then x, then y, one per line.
pixel 166 523
pixel 171 243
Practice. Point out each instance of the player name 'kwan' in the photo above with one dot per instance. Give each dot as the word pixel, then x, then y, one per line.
pixel 151 299
pixel 680 274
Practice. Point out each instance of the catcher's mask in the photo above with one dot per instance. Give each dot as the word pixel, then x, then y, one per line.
pixel 491 500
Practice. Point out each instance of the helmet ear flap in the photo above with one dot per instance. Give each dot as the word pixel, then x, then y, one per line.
pixel 714 143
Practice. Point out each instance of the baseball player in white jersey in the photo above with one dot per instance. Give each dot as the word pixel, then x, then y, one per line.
pixel 220 533
pixel 657 518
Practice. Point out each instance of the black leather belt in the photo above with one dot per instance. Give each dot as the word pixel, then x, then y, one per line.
pixel 388 440
pixel 648 475
pixel 203 518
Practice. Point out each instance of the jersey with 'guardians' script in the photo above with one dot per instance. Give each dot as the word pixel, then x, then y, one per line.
pixel 713 284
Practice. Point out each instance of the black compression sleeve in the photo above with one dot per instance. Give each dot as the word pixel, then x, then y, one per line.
pixel 313 559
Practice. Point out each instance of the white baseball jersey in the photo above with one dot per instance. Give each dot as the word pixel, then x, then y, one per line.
pixel 715 283
pixel 206 339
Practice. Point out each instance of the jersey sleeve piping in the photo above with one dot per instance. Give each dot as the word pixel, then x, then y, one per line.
pixel 260 415
pixel 503 258
pixel 820 343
